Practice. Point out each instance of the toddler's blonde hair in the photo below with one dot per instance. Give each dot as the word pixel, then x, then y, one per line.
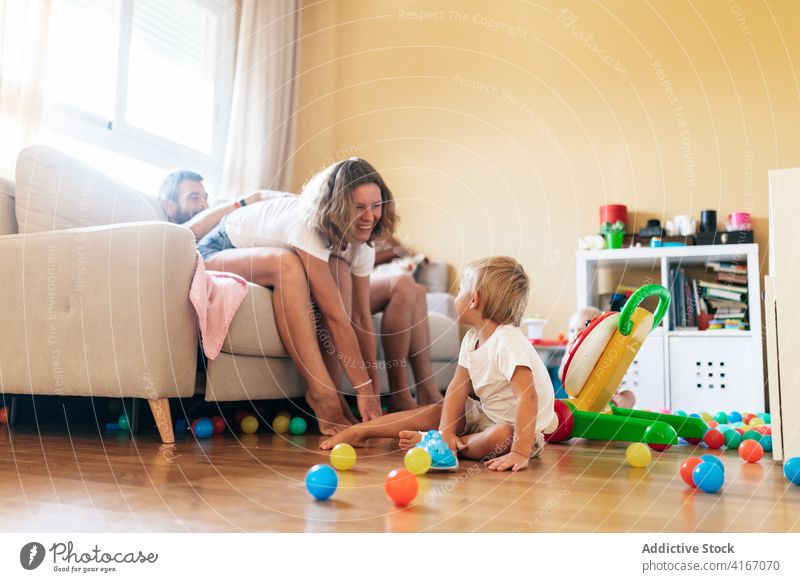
pixel 502 285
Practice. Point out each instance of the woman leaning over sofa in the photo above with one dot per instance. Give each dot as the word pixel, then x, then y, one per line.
pixel 321 240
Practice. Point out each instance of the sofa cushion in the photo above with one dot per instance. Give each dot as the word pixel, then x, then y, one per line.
pixel 8 221
pixel 253 332
pixel 55 192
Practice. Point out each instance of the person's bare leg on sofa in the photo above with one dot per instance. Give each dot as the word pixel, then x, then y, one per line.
pixel 394 295
pixel 420 351
pixel 281 270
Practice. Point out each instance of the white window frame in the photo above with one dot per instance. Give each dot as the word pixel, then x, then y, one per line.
pixel 117 136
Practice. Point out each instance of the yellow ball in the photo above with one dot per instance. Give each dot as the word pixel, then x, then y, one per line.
pixel 249 424
pixel 417 460
pixel 755 422
pixel 706 416
pixel 280 424
pixel 638 455
pixel 343 456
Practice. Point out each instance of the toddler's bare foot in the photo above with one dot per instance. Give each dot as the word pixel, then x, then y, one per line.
pixel 401 401
pixel 428 394
pixel 352 436
pixel 328 411
pixel 409 439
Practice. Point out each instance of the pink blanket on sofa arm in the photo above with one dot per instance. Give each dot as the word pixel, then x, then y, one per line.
pixel 216 296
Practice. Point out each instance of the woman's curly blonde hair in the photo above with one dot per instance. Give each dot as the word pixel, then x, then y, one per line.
pixel 329 196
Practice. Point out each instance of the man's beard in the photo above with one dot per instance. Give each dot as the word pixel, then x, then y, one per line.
pixel 182 216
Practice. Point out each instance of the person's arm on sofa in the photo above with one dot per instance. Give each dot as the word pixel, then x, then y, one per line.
pixel 202 223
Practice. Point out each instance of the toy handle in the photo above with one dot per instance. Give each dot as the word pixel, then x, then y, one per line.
pixel 625 325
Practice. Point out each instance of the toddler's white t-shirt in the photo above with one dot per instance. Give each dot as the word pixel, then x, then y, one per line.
pixel 282 222
pixel 491 366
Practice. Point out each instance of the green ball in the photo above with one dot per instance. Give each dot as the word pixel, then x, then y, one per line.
pixel 721 418
pixel 767 418
pixel 732 439
pixel 752 435
pixel 297 425
pixel 123 423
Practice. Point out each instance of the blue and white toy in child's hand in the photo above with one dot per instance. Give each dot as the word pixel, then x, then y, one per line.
pixel 442 458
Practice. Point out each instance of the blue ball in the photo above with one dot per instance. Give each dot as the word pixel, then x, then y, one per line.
pixel 708 477
pixel 791 468
pixel 734 416
pixel 695 415
pixel 203 428
pixel 321 481
pixel 766 442
pixel 679 413
pixel 723 427
pixel 767 418
pixel 714 461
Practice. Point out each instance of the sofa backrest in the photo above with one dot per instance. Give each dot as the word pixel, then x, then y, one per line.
pixel 55 191
pixel 8 221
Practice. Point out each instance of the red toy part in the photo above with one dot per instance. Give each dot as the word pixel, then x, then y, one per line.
pixel 566 423
pixel 687 468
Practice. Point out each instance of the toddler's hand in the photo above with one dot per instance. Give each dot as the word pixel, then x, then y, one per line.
pixel 513 461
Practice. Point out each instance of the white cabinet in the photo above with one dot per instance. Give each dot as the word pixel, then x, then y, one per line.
pixel 711 374
pixel 645 377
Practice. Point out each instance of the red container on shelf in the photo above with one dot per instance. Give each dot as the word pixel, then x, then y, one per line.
pixel 613 212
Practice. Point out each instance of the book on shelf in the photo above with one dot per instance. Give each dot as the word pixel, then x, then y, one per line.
pixel 735 279
pixel 724 305
pixel 727 267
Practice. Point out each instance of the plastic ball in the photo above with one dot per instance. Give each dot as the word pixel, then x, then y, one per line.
pixel 124 423
pixel 249 424
pixel 791 469
pixel 706 416
pixel 297 425
pixel 566 423
pixel 712 424
pixel 417 460
pixel 343 456
pixel 713 460
pixel 239 415
pixel 714 439
pixel 401 487
pixel 321 481
pixel 755 422
pixel 679 413
pixel 694 441
pixel 740 430
pixel 766 443
pixel 767 418
pixel 721 418
pixel 734 416
pixel 723 427
pixel 4 415
pixel 695 415
pixel 732 439
pixel 202 428
pixel 751 435
pixel 751 451
pixel 746 418
pixel 638 455
pixel 280 424
pixel 708 477
pixel 219 424
pixel 686 470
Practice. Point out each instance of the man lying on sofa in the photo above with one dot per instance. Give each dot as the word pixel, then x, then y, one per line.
pixel 185 201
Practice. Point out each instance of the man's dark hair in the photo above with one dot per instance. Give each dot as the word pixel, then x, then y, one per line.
pixel 171 184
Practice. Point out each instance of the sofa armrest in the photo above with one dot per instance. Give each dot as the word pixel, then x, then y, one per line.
pixel 442 303
pixel 101 311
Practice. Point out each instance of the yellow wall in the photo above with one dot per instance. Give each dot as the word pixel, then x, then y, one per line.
pixel 502 126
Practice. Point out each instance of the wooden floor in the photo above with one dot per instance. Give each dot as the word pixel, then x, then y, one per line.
pixel 79 483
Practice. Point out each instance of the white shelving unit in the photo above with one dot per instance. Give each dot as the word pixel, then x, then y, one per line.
pixel 688 369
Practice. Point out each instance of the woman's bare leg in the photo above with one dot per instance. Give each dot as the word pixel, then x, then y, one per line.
pixel 282 270
pixel 420 355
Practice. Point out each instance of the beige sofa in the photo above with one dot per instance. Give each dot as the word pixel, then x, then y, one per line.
pixel 95 294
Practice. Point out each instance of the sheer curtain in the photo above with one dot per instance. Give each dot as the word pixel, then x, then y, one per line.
pixel 23 47
pixel 261 134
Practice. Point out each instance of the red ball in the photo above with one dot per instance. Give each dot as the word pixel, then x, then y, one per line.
pixel 714 439
pixel 401 487
pixel 748 417
pixel 3 415
pixel 694 441
pixel 741 430
pixel 566 423
pixel 219 424
pixel 239 415
pixel 687 468
pixel 658 448
pixel 751 451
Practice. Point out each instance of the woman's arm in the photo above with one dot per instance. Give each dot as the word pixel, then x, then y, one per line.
pixel 202 223
pixel 326 295
pixel 455 400
pixel 363 326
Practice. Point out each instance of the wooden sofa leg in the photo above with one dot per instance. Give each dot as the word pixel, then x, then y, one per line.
pixel 160 410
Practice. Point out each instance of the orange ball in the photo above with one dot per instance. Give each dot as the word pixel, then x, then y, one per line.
pixel 751 451
pixel 3 415
pixel 687 468
pixel 712 424
pixel 401 487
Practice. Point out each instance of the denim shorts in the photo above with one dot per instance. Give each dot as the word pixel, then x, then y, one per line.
pixel 215 241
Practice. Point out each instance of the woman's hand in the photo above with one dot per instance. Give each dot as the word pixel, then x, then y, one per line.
pixel 512 460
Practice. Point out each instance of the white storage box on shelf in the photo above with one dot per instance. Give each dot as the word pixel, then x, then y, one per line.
pixel 688 369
